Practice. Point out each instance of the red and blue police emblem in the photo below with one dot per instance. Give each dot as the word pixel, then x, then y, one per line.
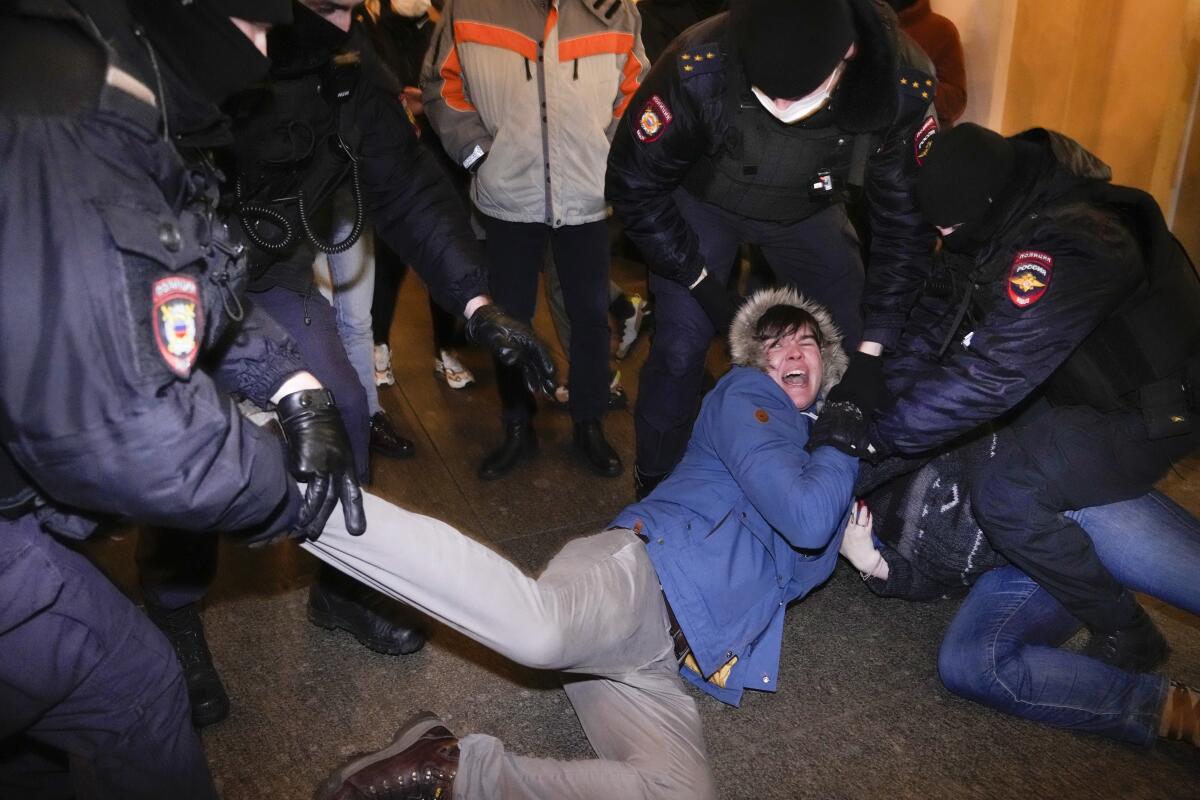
pixel 654 120
pixel 1029 277
pixel 178 321
pixel 923 140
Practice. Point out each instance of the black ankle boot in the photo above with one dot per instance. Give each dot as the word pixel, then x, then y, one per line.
pixel 386 441
pixel 595 449
pixel 644 483
pixel 336 601
pixel 1136 647
pixel 185 631
pixel 519 441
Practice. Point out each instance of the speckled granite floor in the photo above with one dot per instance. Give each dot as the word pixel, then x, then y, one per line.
pixel 860 712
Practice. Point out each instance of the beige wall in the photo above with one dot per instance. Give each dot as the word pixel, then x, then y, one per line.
pixel 1118 75
pixel 986 30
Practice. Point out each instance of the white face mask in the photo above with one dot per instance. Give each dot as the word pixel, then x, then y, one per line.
pixel 410 8
pixel 803 107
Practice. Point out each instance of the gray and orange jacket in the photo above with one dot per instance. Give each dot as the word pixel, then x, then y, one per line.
pixel 538 87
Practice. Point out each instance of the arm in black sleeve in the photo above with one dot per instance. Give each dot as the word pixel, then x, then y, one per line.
pixel 256 357
pixel 661 135
pixel 905 580
pixel 414 206
pixel 901 241
pixel 88 407
pixel 1016 348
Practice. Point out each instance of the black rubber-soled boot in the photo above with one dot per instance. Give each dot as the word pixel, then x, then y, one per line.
pixel 185 631
pixel 386 626
pixel 520 441
pixel 597 453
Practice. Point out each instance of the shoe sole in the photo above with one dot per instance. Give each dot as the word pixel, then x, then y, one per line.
pixel 327 621
pixel 406 736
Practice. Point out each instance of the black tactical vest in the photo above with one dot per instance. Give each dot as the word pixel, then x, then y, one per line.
pixel 771 171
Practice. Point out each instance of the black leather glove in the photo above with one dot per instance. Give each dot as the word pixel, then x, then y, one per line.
pixel 862 385
pixel 841 425
pixel 319 453
pixel 514 344
pixel 715 301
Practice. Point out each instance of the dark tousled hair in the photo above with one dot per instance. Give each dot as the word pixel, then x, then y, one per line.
pixel 784 320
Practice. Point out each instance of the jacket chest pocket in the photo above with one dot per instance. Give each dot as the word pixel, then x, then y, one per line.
pixel 163 271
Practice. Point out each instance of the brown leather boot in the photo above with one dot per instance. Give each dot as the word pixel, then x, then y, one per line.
pixel 419 764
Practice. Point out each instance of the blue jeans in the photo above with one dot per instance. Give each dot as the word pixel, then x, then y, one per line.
pixel 1002 648
pixel 348 281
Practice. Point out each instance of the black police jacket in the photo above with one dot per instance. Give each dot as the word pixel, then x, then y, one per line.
pixel 303 131
pixel 1058 266
pixel 116 285
pixel 682 114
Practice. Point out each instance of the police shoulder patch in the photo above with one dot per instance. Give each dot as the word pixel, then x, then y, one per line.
pixel 916 83
pixel 923 139
pixel 653 120
pixel 178 320
pixel 699 60
pixel 1029 277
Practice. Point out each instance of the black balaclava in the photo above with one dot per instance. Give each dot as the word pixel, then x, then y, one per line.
pixel 203 46
pixel 790 47
pixel 963 182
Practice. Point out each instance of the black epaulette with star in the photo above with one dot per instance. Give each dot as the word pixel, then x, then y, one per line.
pixel 700 59
pixel 917 83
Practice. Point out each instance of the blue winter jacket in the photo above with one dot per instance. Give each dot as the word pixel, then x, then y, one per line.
pixel 748 522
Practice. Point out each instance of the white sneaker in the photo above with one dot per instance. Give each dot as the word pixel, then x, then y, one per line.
pixel 451 369
pixel 632 325
pixel 383 366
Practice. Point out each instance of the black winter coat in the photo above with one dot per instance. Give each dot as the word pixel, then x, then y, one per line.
pixel 119 343
pixel 887 91
pixel 1056 268
pixel 407 195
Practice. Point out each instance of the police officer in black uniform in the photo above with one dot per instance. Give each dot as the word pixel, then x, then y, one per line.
pixel 1064 305
pixel 116 280
pixel 750 128
pixel 329 117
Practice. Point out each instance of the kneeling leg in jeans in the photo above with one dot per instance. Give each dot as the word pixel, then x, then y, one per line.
pixel 1002 648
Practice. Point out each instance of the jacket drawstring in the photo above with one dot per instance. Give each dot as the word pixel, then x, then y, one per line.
pixel 528 74
pixel 576 76
pixel 958 318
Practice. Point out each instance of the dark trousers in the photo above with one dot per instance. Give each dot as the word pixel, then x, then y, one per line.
pixel 390 271
pixel 83 672
pixel 819 256
pixel 1062 459
pixel 581 254
pixel 176 568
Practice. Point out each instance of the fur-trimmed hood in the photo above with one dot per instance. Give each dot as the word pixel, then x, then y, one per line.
pixel 746 351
